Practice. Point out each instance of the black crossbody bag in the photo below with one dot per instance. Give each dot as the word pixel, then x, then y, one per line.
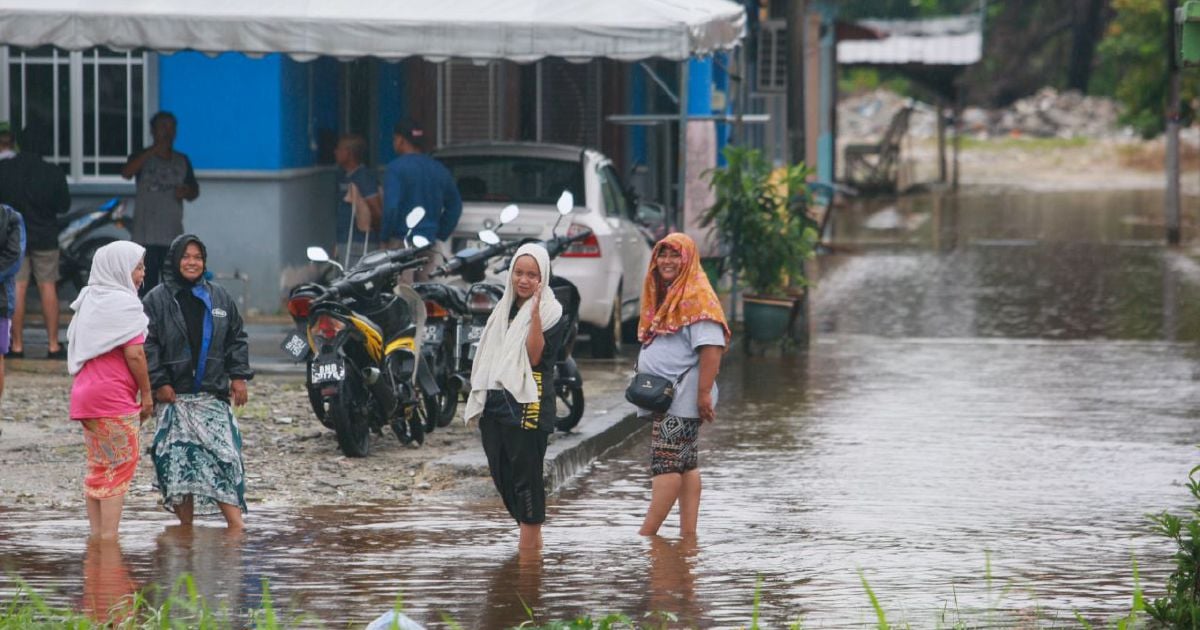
pixel 653 392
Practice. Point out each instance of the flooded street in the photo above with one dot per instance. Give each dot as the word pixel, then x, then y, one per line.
pixel 1000 389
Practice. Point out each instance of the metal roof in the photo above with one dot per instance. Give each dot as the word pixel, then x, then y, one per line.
pixel 946 41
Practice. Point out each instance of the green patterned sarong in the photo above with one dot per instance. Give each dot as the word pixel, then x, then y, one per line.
pixel 198 452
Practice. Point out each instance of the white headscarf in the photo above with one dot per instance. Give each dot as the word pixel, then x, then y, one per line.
pixel 108 313
pixel 502 360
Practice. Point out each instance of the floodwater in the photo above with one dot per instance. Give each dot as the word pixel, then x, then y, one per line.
pixel 1000 389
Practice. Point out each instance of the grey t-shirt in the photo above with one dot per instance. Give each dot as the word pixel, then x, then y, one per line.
pixel 669 355
pixel 158 215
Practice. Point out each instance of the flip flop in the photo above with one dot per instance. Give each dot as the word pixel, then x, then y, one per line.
pixel 57 355
pixel 15 354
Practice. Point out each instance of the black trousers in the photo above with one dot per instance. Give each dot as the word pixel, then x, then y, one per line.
pixel 156 257
pixel 515 460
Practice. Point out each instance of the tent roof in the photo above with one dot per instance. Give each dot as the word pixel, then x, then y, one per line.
pixel 946 41
pixel 517 30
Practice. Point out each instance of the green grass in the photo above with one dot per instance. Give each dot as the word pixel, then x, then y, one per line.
pixel 1024 143
pixel 184 608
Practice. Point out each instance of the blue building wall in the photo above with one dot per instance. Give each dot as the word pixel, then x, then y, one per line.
pixel 228 108
pixel 238 113
pixel 392 107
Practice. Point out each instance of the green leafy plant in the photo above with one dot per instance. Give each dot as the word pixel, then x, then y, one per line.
pixel 759 215
pixel 1180 608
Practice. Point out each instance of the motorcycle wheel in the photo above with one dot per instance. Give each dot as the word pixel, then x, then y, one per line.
pixel 447 405
pixel 353 430
pixel 446 402
pixel 568 407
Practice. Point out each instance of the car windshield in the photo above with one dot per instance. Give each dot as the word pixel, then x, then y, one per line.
pixel 508 179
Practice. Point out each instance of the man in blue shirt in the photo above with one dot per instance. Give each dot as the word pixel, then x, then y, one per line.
pixel 356 186
pixel 415 179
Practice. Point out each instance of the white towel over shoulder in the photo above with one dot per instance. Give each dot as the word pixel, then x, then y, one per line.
pixel 502 360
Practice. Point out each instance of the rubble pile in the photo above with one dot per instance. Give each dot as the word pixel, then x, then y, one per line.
pixel 1046 114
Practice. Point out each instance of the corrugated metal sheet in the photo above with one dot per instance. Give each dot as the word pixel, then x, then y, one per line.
pixel 955 41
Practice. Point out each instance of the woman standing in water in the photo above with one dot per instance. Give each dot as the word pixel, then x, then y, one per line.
pixel 199 363
pixel 110 396
pixel 683 335
pixel 512 390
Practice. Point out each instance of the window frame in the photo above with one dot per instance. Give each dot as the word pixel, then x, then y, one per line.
pixel 75 63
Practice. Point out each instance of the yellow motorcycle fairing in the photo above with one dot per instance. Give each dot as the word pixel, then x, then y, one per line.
pixel 401 343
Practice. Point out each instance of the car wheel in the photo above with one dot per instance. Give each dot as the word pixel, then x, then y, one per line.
pixel 606 341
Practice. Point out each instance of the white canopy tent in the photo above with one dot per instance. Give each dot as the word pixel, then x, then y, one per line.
pixel 515 30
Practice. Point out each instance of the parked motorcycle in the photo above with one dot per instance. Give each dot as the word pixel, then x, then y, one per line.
pixel 358 335
pixel 447 335
pixel 84 230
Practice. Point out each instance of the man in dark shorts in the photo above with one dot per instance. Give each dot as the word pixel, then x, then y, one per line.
pixel 38 190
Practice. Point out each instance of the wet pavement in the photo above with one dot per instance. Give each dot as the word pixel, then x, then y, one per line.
pixel 1000 389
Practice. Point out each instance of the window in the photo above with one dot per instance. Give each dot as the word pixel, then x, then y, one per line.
pixel 93 105
pixel 615 202
pixel 509 179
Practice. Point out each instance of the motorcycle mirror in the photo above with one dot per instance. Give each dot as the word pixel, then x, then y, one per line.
pixel 420 241
pixel 509 213
pixel 318 254
pixel 489 236
pixel 566 202
pixel 414 217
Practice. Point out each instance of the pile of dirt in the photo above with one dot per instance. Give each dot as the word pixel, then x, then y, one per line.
pixel 1046 114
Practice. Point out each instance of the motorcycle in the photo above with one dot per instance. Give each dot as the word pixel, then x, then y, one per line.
pixel 84 230
pixel 447 335
pixel 358 336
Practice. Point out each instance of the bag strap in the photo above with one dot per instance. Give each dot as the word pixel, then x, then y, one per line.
pixel 677 381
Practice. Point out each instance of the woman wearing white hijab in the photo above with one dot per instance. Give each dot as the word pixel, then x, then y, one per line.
pixel 106 357
pixel 512 388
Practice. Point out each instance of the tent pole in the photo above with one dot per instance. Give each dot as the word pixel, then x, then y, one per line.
pixel 680 191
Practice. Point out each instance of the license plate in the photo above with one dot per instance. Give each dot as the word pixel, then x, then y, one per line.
pixel 475 333
pixel 295 346
pixel 330 370
pixel 432 334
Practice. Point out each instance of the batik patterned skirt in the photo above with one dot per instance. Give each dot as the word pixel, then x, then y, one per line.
pixel 112 455
pixel 673 446
pixel 198 452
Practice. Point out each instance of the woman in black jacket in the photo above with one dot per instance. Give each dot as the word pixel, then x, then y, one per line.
pixel 199 363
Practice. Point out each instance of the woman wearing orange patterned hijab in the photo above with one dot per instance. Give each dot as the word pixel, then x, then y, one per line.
pixel 683 334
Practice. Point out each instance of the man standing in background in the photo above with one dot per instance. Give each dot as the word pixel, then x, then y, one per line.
pixel 164 181
pixel 415 179
pixel 38 190
pixel 360 207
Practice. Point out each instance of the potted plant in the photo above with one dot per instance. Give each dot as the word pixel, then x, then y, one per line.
pixel 759 216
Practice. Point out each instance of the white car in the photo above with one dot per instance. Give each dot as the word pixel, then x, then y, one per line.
pixel 608 267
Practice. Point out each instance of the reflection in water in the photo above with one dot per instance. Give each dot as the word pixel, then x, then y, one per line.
pixel 211 556
pixel 515 586
pixel 998 378
pixel 672 586
pixel 107 587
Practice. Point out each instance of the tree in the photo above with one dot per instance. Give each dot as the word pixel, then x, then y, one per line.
pixel 1133 68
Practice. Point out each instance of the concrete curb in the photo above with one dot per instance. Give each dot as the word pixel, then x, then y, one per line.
pixel 608 422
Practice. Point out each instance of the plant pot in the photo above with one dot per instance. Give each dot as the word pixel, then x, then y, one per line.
pixel 767 319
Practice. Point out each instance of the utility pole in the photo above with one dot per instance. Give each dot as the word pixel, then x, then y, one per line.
pixel 1172 113
pixel 796 12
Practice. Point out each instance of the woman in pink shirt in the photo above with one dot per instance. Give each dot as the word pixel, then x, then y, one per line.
pixel 105 355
